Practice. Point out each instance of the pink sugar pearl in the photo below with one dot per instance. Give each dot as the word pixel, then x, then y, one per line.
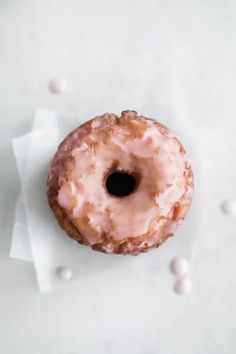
pixel 57 86
pixel 64 273
pixel 179 266
pixel 228 207
pixel 183 286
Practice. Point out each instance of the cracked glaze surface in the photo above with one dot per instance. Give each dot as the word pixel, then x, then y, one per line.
pixel 132 143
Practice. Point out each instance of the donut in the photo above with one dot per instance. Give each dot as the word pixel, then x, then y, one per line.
pixel 120 184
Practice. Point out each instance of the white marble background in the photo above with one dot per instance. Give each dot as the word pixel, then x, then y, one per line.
pixel 170 59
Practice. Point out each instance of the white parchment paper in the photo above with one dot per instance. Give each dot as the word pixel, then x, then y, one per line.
pixel 38 238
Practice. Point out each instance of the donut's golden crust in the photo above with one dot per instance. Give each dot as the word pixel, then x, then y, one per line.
pixel 131 245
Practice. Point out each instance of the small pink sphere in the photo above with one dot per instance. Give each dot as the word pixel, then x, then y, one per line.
pixel 179 266
pixel 183 286
pixel 228 207
pixel 57 86
pixel 64 273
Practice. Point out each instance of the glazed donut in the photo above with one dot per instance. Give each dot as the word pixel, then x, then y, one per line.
pixel 120 184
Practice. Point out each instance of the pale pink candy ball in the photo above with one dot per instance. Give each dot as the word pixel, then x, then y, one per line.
pixel 179 266
pixel 228 206
pixel 57 86
pixel 64 273
pixel 183 286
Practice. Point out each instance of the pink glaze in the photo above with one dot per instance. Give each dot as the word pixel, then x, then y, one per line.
pixel 138 146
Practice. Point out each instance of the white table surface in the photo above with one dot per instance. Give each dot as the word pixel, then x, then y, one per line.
pixel 163 58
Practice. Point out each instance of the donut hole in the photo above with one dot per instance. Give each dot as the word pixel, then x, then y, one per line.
pixel 121 184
